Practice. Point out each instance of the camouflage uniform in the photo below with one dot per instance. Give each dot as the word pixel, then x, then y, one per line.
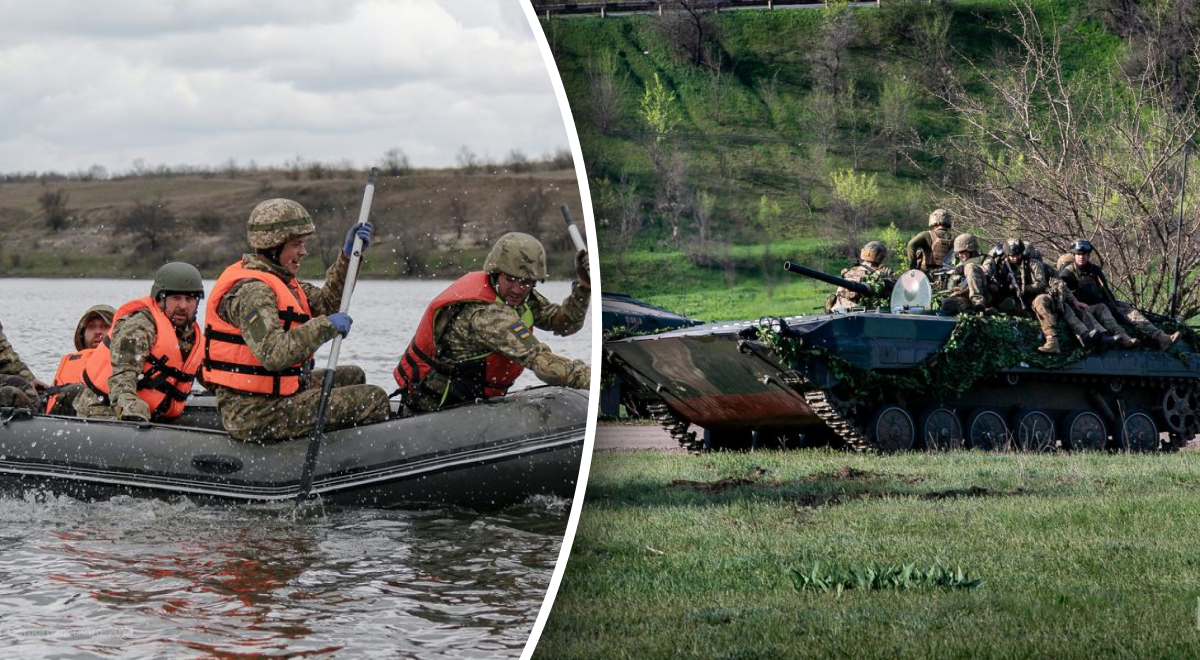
pixel 479 328
pixel 132 338
pixel 844 298
pixel 252 307
pixel 968 287
pixel 1087 284
pixel 16 380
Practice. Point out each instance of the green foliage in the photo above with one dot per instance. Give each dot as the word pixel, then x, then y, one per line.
pixel 896 245
pixel 855 189
pixel 876 577
pixel 768 214
pixel 658 109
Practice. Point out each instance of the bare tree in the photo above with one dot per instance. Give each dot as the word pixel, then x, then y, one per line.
pixel 54 206
pixel 395 162
pixel 897 116
pixel 459 208
pixel 689 25
pixel 527 206
pixel 829 56
pixel 467 160
pixel 605 88
pixel 153 228
pixel 617 206
pixel 1053 159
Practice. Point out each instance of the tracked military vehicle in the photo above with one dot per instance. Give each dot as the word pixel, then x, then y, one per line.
pixel 903 377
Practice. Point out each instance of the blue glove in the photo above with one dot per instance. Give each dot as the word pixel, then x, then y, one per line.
pixel 364 230
pixel 341 322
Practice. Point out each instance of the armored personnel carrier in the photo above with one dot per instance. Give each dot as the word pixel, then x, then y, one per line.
pixel 903 377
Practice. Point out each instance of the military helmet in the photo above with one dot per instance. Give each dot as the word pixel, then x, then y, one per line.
pixel 966 243
pixel 1014 246
pixel 177 277
pixel 277 221
pixel 1081 247
pixel 874 251
pixel 997 250
pixel 517 255
pixel 940 217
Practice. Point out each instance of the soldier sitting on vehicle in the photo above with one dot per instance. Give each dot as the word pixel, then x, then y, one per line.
pixel 1087 282
pixel 476 337
pixel 928 250
pixel 90 332
pixel 1021 288
pixel 869 266
pixel 967 282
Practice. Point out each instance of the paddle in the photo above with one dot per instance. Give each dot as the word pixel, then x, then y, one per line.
pixel 573 229
pixel 318 433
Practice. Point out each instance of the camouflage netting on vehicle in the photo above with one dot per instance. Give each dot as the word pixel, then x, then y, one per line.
pixel 978 348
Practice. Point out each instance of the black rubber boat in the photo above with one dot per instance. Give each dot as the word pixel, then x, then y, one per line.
pixel 485 455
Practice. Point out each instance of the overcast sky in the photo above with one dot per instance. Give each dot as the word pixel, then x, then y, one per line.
pixel 198 82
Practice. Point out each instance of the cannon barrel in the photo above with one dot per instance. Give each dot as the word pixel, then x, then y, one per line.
pixel 856 287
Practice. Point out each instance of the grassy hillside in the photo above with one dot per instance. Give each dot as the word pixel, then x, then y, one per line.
pixel 428 223
pixel 756 134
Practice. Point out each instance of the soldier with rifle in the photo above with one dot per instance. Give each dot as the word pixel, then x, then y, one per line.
pixel 1021 289
pixel 1086 281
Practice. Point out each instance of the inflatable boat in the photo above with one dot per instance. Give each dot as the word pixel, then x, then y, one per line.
pixel 483 455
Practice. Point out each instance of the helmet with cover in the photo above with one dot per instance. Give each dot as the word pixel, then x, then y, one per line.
pixel 177 278
pixel 874 252
pixel 1081 246
pixel 517 255
pixel 966 243
pixel 1014 247
pixel 277 221
pixel 940 218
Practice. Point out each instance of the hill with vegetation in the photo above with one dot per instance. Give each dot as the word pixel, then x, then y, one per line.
pixel 429 223
pixel 719 144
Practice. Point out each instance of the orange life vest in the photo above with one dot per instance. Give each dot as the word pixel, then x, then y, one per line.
pixel 167 375
pixel 487 375
pixel 228 361
pixel 70 371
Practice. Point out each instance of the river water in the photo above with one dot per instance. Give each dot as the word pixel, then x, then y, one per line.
pixel 136 578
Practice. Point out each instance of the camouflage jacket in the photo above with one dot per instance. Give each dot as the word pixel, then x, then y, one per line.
pixel 251 306
pixel 878 278
pixel 10 363
pixel 480 328
pixel 132 338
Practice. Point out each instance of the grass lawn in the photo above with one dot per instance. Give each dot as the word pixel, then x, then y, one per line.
pixel 1080 556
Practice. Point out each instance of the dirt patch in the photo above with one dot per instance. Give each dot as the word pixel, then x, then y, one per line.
pixel 751 479
pixel 847 473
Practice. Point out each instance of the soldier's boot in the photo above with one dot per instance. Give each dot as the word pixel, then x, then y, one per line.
pixel 1101 341
pixel 1166 341
pixel 1125 341
pixel 1051 345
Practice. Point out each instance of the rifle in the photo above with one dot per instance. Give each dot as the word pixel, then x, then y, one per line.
pixel 1012 278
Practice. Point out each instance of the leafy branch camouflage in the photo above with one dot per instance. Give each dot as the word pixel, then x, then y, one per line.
pixel 978 348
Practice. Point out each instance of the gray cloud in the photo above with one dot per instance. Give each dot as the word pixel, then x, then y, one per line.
pixel 204 81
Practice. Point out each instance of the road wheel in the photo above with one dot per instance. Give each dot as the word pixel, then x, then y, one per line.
pixel 986 430
pixel 1138 432
pixel 940 430
pixel 891 429
pixel 1035 431
pixel 1084 430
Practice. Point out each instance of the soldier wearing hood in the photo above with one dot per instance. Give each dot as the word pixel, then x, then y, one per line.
pixel 91 330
